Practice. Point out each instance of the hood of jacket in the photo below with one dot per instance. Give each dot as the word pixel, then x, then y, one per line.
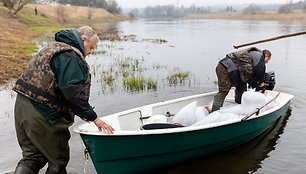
pixel 72 38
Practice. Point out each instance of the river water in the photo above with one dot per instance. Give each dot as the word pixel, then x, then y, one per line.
pixel 156 50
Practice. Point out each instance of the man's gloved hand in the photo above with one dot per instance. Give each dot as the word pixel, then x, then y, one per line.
pixel 261 87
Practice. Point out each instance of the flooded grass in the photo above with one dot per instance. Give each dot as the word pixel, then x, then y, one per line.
pixel 158 66
pixel 178 77
pixel 151 84
pixel 116 36
pixel 134 83
pixel 131 74
pixel 127 73
pixel 108 79
pixel 97 52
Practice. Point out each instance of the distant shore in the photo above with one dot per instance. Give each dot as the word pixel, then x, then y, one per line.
pixel 294 17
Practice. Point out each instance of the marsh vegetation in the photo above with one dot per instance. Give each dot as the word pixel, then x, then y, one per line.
pixel 134 75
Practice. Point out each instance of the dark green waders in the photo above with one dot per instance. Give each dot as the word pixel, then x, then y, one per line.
pixel 40 141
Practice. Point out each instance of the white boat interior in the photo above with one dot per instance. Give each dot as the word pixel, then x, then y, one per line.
pixel 129 122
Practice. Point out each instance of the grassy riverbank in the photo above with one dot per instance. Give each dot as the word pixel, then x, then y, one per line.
pixel 16 39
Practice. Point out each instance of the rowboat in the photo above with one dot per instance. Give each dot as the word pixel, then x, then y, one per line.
pixel 133 149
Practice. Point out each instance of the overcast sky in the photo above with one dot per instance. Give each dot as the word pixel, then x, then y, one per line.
pixel 144 3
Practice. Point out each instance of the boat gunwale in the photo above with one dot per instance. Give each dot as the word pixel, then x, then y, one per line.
pixel 79 130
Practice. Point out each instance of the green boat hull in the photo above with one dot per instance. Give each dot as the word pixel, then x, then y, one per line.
pixel 130 154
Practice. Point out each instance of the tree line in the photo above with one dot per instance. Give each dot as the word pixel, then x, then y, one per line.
pixel 285 8
pixel 290 7
pixel 170 11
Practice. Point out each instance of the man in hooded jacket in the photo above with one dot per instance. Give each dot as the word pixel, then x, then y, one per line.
pixel 53 88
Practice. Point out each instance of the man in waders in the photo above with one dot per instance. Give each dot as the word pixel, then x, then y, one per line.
pixel 238 69
pixel 53 88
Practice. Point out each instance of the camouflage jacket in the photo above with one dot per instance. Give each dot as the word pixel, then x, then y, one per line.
pixel 38 81
pixel 244 63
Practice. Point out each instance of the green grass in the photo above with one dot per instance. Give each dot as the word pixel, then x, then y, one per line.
pixel 48 32
pixel 35 20
pixel 28 49
pixel 134 83
pixel 44 28
pixel 3 10
pixel 151 84
pixel 39 24
pixel 124 64
pixel 177 77
pixel 108 79
pixel 139 83
pixel 125 73
pixel 130 72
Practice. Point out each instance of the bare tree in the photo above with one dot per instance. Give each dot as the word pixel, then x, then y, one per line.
pixel 14 6
pixel 252 9
pixel 134 13
pixel 89 12
pixel 113 7
pixel 304 8
pixel 61 14
pixel 286 8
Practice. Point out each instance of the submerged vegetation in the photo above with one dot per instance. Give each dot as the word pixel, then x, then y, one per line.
pixel 135 75
pixel 127 73
pixel 178 77
pixel 134 83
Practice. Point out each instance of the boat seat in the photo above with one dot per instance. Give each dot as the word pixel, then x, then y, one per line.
pixel 153 126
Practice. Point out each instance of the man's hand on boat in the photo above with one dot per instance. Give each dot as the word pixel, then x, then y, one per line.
pixel 102 126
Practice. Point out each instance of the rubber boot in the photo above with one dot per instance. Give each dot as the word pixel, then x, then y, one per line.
pixel 239 91
pixel 218 103
pixel 22 169
pixel 238 96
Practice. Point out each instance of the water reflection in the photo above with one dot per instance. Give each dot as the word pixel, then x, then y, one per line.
pixel 244 159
